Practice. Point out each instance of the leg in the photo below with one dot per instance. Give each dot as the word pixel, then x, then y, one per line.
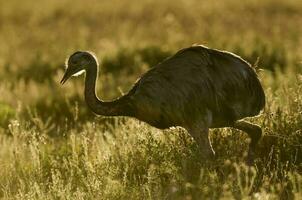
pixel 254 133
pixel 201 136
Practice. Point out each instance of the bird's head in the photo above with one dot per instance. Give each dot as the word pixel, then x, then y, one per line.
pixel 77 63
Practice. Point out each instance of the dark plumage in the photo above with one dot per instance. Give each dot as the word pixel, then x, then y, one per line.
pixel 197 88
pixel 196 81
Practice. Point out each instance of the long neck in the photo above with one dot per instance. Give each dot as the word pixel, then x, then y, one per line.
pixel 118 107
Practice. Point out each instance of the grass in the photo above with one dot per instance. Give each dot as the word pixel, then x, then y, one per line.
pixel 53 147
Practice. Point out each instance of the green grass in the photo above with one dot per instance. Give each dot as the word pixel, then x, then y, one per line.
pixel 53 147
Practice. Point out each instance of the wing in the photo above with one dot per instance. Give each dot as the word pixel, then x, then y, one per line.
pixel 193 81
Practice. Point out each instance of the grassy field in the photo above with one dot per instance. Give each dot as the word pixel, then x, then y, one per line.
pixel 53 147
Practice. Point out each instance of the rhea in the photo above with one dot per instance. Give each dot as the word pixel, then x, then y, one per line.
pixel 198 88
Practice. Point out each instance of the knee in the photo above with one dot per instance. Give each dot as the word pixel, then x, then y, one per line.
pixel 257 133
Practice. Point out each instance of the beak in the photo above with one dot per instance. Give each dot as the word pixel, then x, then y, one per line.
pixel 65 77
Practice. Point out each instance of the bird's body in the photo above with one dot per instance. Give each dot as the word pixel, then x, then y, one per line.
pixel 197 88
pixel 198 83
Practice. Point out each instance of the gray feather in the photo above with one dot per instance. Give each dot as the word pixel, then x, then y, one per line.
pixel 196 80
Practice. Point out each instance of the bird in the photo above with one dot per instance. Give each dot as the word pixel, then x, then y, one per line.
pixel 198 88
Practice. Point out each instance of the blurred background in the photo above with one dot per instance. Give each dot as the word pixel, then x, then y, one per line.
pixel 129 37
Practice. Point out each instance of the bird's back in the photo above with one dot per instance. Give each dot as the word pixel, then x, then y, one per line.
pixel 195 81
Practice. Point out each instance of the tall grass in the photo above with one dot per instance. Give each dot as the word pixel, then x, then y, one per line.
pixel 53 147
